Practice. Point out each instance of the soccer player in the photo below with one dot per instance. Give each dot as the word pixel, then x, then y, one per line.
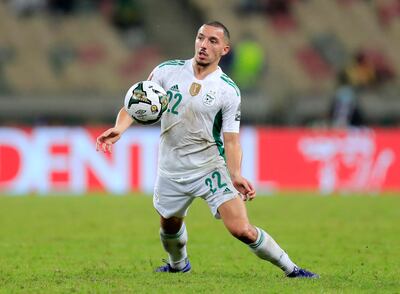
pixel 193 161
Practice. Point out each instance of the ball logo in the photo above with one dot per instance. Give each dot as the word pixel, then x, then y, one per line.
pixel 138 95
pixel 154 109
pixel 140 111
pixel 209 99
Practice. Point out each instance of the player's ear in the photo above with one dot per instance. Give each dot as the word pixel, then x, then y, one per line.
pixel 225 50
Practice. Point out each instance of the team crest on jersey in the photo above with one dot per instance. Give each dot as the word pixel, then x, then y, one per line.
pixel 209 98
pixel 194 89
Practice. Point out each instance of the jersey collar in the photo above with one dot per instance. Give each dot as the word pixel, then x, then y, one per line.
pixel 215 72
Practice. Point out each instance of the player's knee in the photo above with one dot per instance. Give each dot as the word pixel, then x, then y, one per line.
pixel 171 225
pixel 243 232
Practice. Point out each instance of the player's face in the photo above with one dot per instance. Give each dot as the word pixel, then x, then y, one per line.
pixel 210 45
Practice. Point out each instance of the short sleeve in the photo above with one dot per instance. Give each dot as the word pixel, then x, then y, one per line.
pixel 231 111
pixel 157 76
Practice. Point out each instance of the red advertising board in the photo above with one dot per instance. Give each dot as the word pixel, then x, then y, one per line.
pixel 44 160
pixel 351 160
pixel 47 160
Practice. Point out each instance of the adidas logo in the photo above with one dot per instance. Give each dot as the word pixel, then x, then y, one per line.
pixel 175 88
pixel 227 190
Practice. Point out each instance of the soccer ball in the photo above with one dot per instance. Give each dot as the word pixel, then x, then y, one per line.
pixel 145 102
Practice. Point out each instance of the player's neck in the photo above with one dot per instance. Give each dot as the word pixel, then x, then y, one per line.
pixel 201 71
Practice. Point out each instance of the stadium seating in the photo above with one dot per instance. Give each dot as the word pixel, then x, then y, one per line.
pixel 318 40
pixel 305 48
pixel 66 54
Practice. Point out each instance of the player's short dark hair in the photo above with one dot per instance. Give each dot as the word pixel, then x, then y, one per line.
pixel 218 24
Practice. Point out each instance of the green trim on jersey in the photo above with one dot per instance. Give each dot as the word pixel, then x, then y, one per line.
pixel 231 83
pixel 172 62
pixel 217 126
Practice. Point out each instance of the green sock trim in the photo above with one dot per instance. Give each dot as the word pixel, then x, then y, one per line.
pixel 260 238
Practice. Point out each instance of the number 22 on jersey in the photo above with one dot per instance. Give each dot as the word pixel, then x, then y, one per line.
pixel 174 101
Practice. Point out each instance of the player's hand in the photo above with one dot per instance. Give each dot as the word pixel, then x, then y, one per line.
pixel 244 187
pixel 105 141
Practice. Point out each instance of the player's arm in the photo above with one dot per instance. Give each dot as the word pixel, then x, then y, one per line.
pixel 233 154
pixel 123 121
pixel 112 135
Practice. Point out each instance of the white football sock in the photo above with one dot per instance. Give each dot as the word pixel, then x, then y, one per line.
pixel 266 248
pixel 175 245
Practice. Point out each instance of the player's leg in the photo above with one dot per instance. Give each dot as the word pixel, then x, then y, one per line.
pixel 172 204
pixel 234 215
pixel 174 237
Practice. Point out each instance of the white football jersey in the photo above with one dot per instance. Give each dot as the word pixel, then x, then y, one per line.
pixel 198 111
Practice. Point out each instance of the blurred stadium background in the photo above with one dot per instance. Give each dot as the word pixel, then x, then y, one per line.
pixel 319 78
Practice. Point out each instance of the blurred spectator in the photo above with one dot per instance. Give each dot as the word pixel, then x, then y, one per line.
pixel 345 110
pixel 361 72
pixel 384 69
pixel 370 68
pixel 248 63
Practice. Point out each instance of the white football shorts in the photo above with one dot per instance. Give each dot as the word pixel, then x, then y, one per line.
pixel 172 197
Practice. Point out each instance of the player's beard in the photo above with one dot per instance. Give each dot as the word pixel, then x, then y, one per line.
pixel 202 63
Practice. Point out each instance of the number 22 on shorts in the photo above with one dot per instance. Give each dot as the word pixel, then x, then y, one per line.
pixel 209 182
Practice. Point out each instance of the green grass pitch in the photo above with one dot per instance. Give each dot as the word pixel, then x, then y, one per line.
pixel 103 244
